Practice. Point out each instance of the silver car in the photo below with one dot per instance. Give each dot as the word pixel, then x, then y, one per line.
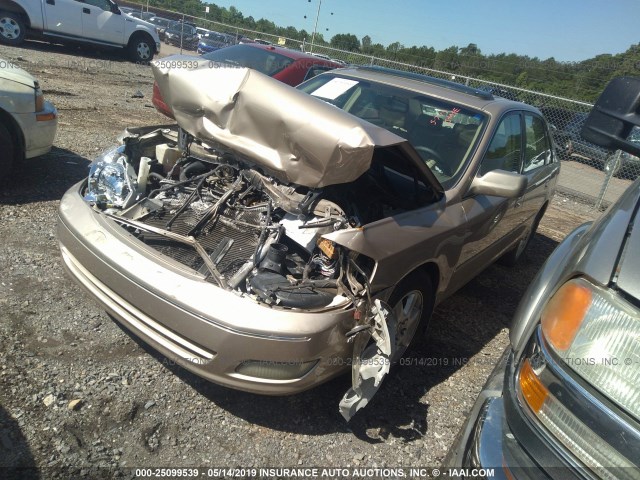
pixel 28 123
pixel 277 237
pixel 564 400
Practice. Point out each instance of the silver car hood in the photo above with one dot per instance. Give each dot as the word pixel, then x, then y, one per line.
pixel 296 137
pixel 11 71
pixel 629 264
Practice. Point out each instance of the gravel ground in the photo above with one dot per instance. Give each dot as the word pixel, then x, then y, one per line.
pixel 77 391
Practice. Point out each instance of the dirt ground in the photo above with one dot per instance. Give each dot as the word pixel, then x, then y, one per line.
pixel 135 408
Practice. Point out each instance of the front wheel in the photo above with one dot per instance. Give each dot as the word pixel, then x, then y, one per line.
pixel 12 28
pixel 141 49
pixel 412 303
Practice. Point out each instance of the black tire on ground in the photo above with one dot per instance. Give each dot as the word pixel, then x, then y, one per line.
pixel 7 153
pixel 12 28
pixel 412 303
pixel 141 48
pixel 513 256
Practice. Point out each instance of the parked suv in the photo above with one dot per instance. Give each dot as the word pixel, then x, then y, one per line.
pixel 161 25
pixel 277 237
pixel 571 144
pixel 99 22
pixel 182 35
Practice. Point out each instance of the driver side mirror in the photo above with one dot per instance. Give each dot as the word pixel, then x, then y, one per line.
pixel 499 183
pixel 115 9
pixel 615 114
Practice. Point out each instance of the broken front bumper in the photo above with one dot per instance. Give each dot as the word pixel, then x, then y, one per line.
pixel 219 335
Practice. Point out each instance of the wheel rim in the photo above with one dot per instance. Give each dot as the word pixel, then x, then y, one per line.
pixel 9 29
pixel 143 50
pixel 408 312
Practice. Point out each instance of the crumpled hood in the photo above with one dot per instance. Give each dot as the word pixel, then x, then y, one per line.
pixel 11 71
pixel 296 137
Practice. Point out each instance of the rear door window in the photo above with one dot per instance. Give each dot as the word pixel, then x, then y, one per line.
pixel 538 146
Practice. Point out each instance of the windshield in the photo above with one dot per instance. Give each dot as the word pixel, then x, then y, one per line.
pixel 264 61
pixel 442 133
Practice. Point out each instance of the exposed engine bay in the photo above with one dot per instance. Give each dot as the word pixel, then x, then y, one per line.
pixel 239 227
pixel 248 232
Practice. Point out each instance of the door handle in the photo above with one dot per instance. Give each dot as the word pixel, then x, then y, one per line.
pixel 51 2
pixel 86 10
pixel 519 202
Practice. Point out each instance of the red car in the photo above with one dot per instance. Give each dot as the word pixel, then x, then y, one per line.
pixel 288 66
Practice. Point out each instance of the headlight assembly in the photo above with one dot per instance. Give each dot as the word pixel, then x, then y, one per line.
pixel 112 180
pixel 597 334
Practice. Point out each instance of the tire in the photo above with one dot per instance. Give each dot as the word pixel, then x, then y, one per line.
pixel 12 28
pixel 412 302
pixel 513 256
pixel 7 153
pixel 141 48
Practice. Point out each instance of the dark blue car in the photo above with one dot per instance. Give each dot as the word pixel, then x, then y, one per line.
pixel 214 41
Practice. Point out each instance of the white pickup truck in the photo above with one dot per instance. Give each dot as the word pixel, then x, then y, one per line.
pixel 99 22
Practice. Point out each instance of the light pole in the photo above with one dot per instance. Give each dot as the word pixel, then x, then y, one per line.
pixel 315 28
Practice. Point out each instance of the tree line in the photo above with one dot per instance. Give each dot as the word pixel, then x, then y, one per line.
pixel 583 80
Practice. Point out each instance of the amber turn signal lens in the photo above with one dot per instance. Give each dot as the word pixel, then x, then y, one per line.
pixel 328 248
pixel 564 314
pixel 533 390
pixel 45 117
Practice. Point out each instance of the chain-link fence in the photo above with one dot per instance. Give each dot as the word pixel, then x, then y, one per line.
pixel 590 173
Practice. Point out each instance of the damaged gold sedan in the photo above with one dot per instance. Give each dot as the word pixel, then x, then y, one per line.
pixel 276 237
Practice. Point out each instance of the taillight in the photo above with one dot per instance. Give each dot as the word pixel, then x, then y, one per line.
pixel 159 103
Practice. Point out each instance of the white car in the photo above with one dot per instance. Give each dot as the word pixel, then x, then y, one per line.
pixel 28 123
pixel 98 22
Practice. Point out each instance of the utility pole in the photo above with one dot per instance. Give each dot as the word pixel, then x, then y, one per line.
pixel 315 28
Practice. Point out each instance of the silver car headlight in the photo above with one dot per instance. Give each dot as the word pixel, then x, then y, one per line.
pixel 597 334
pixel 112 180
